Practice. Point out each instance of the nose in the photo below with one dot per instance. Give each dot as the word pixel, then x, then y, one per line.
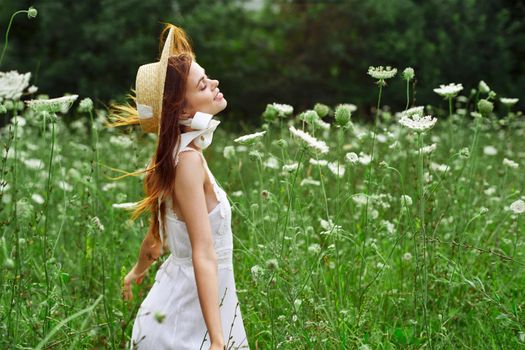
pixel 216 82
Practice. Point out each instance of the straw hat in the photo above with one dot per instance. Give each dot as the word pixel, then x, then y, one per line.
pixel 149 85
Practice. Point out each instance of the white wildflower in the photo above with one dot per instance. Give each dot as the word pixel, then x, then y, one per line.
pixel 364 158
pixel 96 221
pixel 257 271
pixel 518 207
pixel 19 120
pixel 241 148
pixel 360 198
pixel 272 163
pixel 228 152
pixel 349 106
pixel 418 110
pixel 123 141
pixel 438 167
pixel 448 91
pixel 406 200
pixel 351 157
pixel 109 186
pixel 419 124
pixel 336 168
pixel 12 84
pixel 428 149
pixel 124 205
pixel 65 186
pixel 290 167
pixel 490 150
pixel 250 138
pixel 321 162
pixel 407 256
pixel 508 101
pixel 311 141
pixel 54 105
pixel 322 124
pixel 510 163
pixel 282 108
pixel 37 198
pixel 329 225
pixel 34 163
pixel 490 191
pixel 314 248
pixel 310 181
pixel 381 73
pixel 390 227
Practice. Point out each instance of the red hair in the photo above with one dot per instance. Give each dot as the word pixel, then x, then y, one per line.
pixel 159 182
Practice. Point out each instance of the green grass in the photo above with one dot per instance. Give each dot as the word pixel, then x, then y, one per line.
pixel 358 279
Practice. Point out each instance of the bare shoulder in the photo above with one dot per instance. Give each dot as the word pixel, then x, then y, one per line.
pixel 189 170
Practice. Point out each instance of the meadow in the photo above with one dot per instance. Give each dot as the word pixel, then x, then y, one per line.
pixel 403 233
pixel 400 232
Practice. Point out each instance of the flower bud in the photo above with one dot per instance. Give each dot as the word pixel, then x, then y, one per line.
pixel 485 107
pixel 464 153
pixel 342 116
pixel 32 12
pixel 86 105
pixel 483 87
pixel 282 143
pixel 408 73
pixel 321 109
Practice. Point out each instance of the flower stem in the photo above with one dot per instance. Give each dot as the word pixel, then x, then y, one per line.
pixel 408 94
pixel 378 104
pixel 7 33
pixel 46 322
pixel 423 232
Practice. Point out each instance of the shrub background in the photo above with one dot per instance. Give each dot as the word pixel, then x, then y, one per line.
pixel 296 52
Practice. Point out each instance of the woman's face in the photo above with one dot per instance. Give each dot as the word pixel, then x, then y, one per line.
pixel 202 93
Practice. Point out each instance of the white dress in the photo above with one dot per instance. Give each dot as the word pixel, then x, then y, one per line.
pixel 170 317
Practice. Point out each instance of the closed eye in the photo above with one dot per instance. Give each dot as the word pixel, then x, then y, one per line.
pixel 205 85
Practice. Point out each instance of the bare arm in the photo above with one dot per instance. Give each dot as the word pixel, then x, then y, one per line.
pixel 149 252
pixel 189 187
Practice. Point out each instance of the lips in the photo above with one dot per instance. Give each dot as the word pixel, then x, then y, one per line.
pixel 218 96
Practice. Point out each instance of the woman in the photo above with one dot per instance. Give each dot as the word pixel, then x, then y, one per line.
pixel 193 302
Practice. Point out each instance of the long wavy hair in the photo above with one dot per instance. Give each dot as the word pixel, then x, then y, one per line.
pixel 159 182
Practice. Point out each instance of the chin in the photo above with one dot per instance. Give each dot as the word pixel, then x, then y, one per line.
pixel 223 104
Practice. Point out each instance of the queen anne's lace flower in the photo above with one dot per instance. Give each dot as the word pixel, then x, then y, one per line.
pixel 351 157
pixel 418 110
pixel 248 139
pixel 54 105
pixel 337 170
pixel 448 91
pixel 321 162
pixel 12 84
pixel 381 73
pixel 311 141
pixel 509 101
pixel 510 163
pixel 283 109
pixel 310 181
pixel 417 123
pixel 518 207
pixel 124 205
pixel 490 150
